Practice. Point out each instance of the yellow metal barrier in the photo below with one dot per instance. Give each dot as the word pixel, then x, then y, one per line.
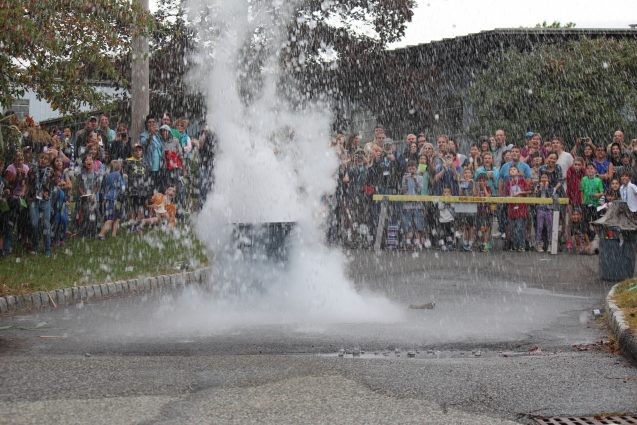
pixel 382 218
pixel 470 199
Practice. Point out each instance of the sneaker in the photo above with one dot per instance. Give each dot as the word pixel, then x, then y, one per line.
pixel 101 237
pixel 569 245
pixel 407 244
pixel 521 249
pixel 444 248
pixel 47 254
pixel 539 248
pixel 466 247
pixel 497 234
pixel 503 235
pixel 32 252
pixel 418 245
pixel 427 243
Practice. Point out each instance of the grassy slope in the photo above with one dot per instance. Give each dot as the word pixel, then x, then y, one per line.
pixel 85 261
pixel 626 299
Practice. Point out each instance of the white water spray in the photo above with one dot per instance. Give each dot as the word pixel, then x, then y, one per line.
pixel 273 165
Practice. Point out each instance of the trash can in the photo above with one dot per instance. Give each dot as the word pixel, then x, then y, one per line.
pixel 617 242
pixel 616 255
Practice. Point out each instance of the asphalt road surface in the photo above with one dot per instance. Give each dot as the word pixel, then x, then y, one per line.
pixel 455 338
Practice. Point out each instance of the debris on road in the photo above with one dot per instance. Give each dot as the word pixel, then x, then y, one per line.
pixel 426 306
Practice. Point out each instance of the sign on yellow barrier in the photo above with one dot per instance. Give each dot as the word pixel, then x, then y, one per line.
pixel 469 199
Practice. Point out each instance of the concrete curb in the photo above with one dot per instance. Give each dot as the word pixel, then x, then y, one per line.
pixel 626 338
pixel 41 300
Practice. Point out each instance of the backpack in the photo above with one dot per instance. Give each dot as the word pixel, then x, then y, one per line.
pixel 173 161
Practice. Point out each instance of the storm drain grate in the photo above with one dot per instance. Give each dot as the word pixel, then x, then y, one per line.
pixel 597 420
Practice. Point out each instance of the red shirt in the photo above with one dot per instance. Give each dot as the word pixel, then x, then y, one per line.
pixel 513 187
pixel 573 179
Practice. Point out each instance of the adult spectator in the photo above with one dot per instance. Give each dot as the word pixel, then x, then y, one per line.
pixel 554 172
pixel 207 143
pixel 615 156
pixel 533 145
pixel 166 119
pixel 500 147
pixel 452 148
pixel 107 133
pixel 421 140
pixel 411 138
pixel 353 143
pixel 120 148
pixel 441 144
pixel 384 173
pixel 67 146
pixel 82 136
pixel 523 168
pixel 604 167
pixel 564 159
pixel 489 171
pixel 445 174
pixel 16 178
pixel 173 162
pixel 153 150
pixel 619 138
pixel 378 140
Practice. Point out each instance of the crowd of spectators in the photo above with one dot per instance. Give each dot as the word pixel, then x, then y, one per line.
pixel 90 182
pixel 96 180
pixel 590 175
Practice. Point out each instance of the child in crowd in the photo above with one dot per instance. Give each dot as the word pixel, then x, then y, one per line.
pixel 592 189
pixel 88 187
pixel 581 234
pixel 445 222
pixel 612 193
pixel 467 221
pixel 162 208
pixel 413 220
pixel 484 216
pixel 517 213
pixel 628 191
pixel 544 213
pixel 114 187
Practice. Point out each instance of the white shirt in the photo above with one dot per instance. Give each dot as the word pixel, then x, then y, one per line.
pixel 629 195
pixel 565 160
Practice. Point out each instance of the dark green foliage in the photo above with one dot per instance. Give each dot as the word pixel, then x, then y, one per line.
pixel 580 88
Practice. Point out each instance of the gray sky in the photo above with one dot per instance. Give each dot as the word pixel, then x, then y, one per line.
pixel 438 19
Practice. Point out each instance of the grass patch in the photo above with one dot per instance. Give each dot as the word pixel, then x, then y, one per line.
pixel 87 261
pixel 626 299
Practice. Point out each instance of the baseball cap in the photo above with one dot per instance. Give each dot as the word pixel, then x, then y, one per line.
pixel 529 134
pixel 165 127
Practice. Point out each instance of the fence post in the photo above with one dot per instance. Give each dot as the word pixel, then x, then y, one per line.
pixel 380 226
pixel 556 226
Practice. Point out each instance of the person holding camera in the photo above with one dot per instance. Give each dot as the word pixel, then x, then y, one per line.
pixel 119 149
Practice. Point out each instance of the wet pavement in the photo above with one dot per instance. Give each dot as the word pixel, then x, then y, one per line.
pixel 491 343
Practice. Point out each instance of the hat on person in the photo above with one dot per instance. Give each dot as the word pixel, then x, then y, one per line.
pixel 529 134
pixel 137 145
pixel 388 141
pixel 165 127
pixel 93 118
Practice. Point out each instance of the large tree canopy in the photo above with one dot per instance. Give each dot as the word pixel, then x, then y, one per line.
pixel 58 47
pixel 581 88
